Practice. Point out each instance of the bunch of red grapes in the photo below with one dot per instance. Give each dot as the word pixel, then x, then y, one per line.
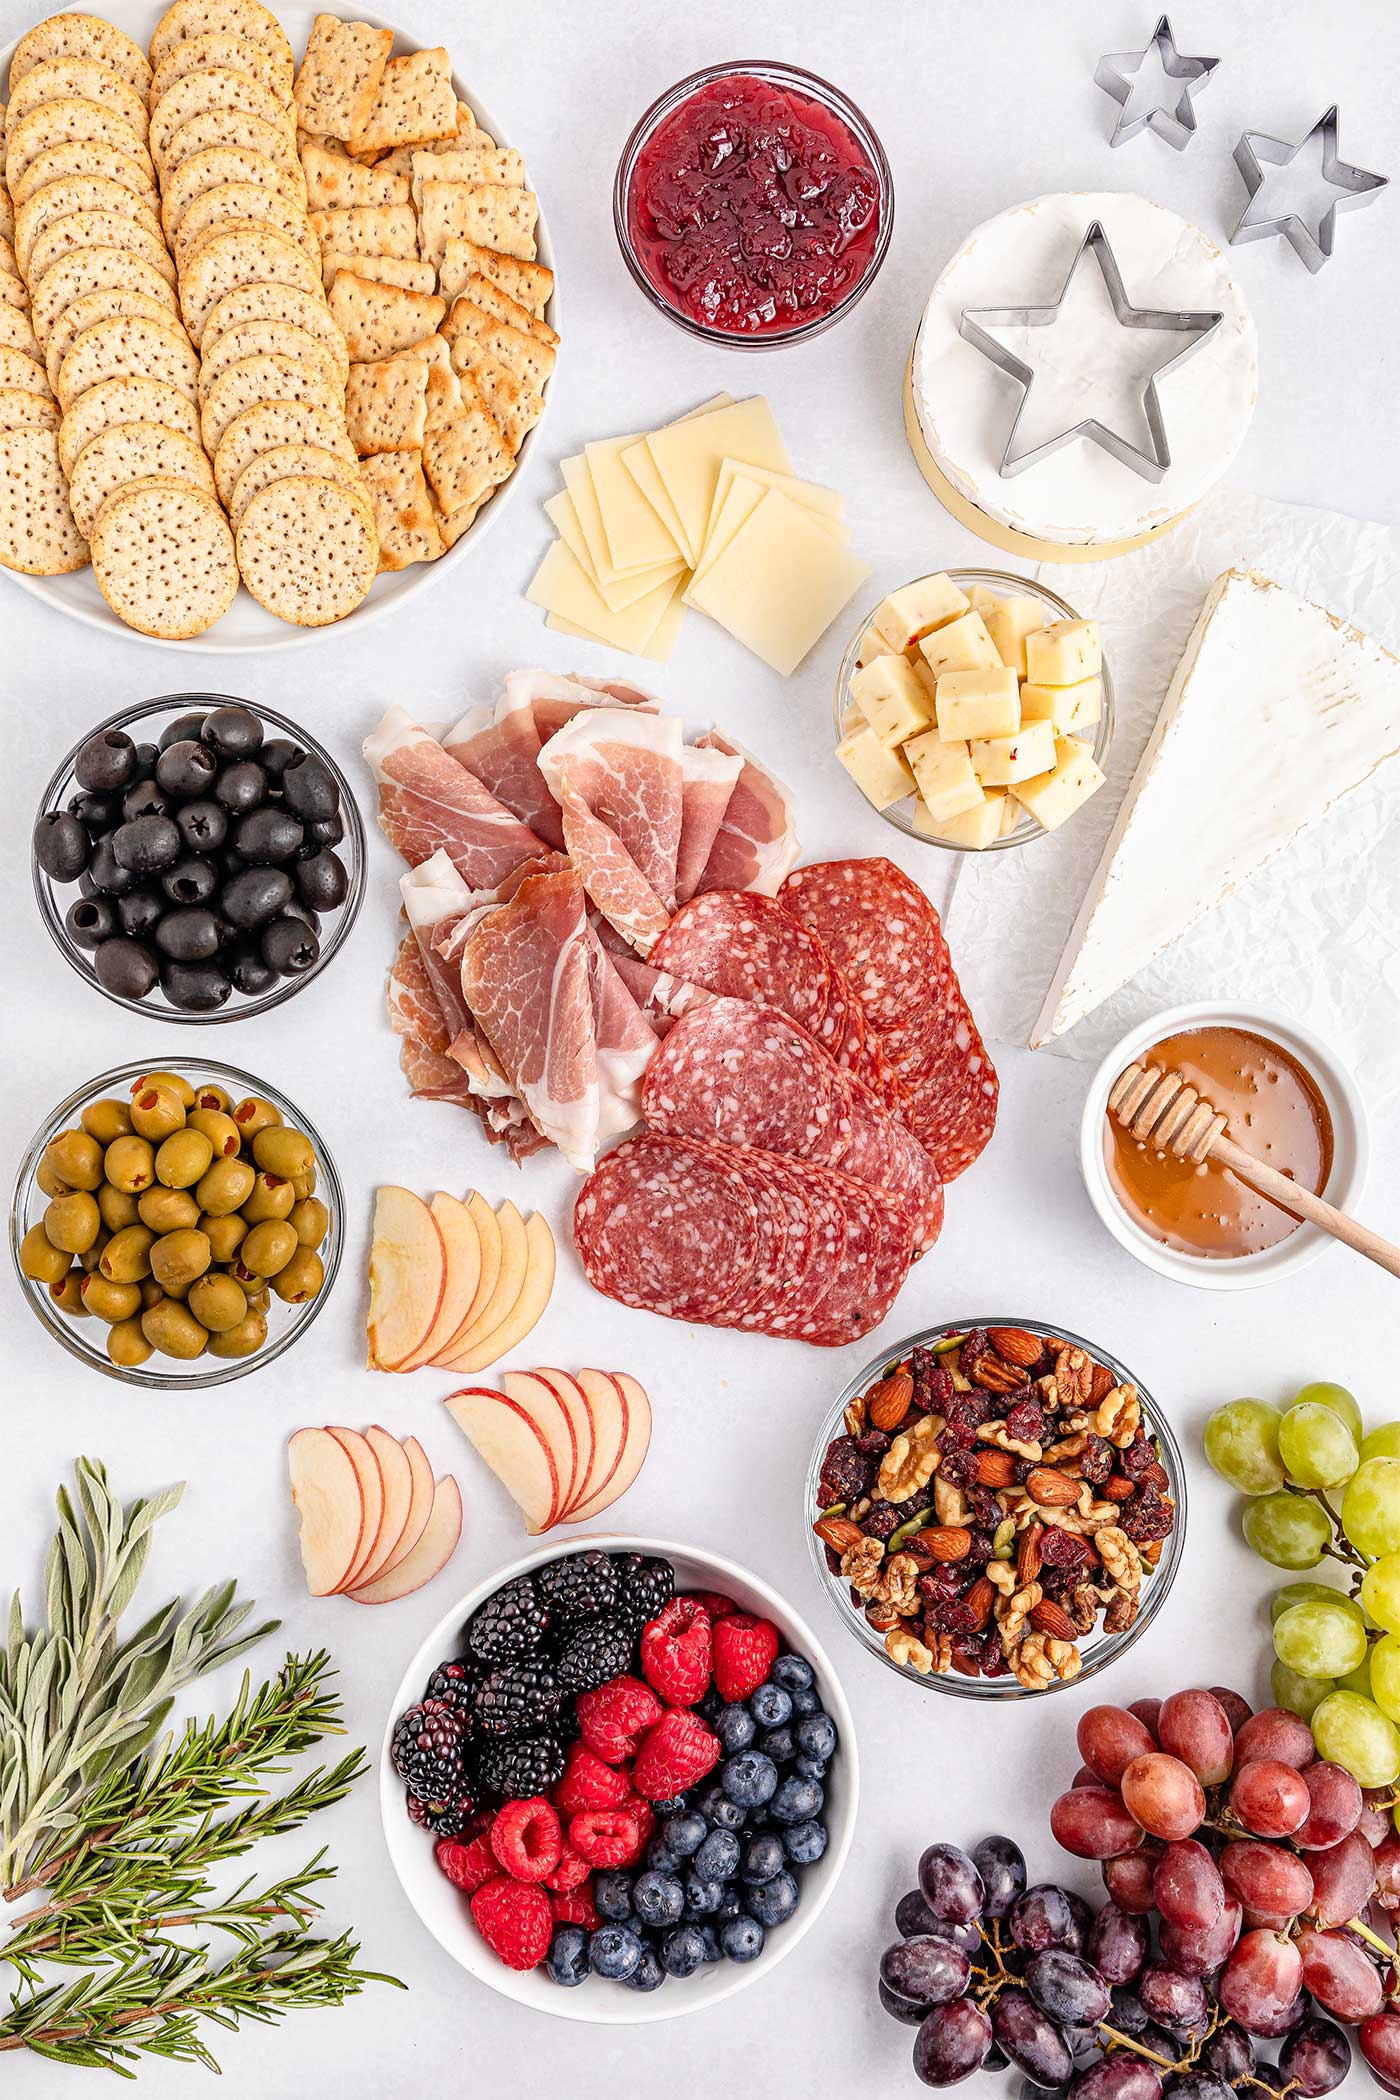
pixel 1270 1875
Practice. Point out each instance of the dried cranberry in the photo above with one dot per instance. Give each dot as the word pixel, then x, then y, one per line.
pixel 913 1506
pixel 967 1649
pixel 985 1507
pixel 961 1417
pixel 874 1444
pixel 994 1663
pixel 976 1344
pixel 933 1386
pixel 1146 1517
pixel 846 1476
pixel 880 1521
pixel 1026 1422
pixel 833 1560
pixel 1137 1458
pixel 921 1365
pixel 1096 1459
pixel 1022 1471
pixel 981 1548
pixel 960 1466
pixel 1060 1549
pixel 1057 1582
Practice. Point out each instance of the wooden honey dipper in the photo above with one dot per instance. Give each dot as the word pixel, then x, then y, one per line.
pixel 1161 1109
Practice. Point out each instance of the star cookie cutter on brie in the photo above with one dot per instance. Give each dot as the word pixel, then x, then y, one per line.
pixel 1257 151
pixel 1116 73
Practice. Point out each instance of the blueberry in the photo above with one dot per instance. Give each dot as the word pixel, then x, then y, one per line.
pixel 709 1705
pixel 711 1940
pixel 797 1801
pixel 701 1897
pixel 773 1901
pixel 815 1735
pixel 670 1807
pixel 612 1894
pixel 763 1857
pixel 648 1974
pixel 810 1767
pixel 736 1729
pixel 778 1744
pixel 750 1779
pixel 660 1857
pixel 614 1951
pixel 793 1672
pixel 683 1951
pixel 568 1962
pixel 718 1857
pixel 683 1834
pixel 659 1898
pixel 718 1810
pixel 805 1842
pixel 806 1701
pixel 771 1706
pixel 742 1939
pixel 731 1902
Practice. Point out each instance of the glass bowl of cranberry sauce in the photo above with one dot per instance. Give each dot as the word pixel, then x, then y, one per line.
pixel 753 204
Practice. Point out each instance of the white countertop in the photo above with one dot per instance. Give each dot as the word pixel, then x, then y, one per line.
pixel 976 110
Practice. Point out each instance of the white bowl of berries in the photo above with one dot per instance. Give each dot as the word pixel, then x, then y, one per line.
pixel 619 1780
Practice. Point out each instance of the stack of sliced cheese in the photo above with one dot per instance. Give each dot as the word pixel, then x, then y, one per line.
pixel 705 512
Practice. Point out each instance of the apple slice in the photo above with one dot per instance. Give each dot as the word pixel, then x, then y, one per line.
pixel 407 1277
pixel 419 1509
pixel 512 1447
pixel 509 1278
pixel 429 1557
pixel 360 1453
pixel 532 1391
pixel 326 1492
pixel 609 1405
pixel 534 1296
pixel 462 1248
pixel 396 1476
pixel 578 1408
pixel 488 1233
pixel 634 1449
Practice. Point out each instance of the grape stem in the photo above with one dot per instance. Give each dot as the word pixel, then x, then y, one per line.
pixel 1343 1550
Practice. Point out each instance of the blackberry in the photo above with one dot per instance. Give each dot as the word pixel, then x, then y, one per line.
pixel 517 1699
pixel 449 1822
pixel 647 1585
pixel 579 1587
pixel 428 1752
pixel 518 1770
pixel 454 1683
pixel 594 1652
pixel 508 1625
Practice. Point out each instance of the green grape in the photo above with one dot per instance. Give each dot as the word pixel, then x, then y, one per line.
pixel 1359 1679
pixel 1242 1444
pixel 1301 1593
pixel 1352 1731
pixel 1325 1394
pixel 1384 1660
pixel 1371 1506
pixel 1317 1447
pixel 1321 1640
pixel 1287 1530
pixel 1300 1695
pixel 1383 1442
pixel 1380 1591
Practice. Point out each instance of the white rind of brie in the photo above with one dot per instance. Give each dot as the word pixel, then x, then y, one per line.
pixel 1277 709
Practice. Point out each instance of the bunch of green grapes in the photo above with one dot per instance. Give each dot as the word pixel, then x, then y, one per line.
pixel 1320 1488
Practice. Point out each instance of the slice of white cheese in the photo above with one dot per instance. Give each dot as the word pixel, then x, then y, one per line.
pixel 1277 709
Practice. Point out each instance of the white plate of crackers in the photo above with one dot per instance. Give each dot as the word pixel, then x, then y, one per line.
pixel 273 320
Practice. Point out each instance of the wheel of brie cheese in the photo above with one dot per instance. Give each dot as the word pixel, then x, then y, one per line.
pixel 1080 502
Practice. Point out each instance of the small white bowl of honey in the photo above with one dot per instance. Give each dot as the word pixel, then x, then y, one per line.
pixel 1286 1097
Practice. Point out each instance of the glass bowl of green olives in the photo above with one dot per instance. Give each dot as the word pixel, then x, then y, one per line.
pixel 177 1227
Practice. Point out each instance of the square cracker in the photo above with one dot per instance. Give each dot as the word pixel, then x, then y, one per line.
pixel 415 104
pixel 509 399
pixel 531 361
pixel 404 514
pixel 489 213
pixel 379 319
pixel 466 457
pixel 444 387
pixel 529 282
pixel 492 300
pixel 334 182
pixel 369 229
pixel 412 275
pixel 452 524
pixel 386 405
pixel 339 79
pixel 468 164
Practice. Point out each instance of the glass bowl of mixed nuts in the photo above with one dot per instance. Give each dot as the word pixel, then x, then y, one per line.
pixel 997 1508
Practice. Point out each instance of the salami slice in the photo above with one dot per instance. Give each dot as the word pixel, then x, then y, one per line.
pixel 663 1226
pixel 861 1291
pixel 747 947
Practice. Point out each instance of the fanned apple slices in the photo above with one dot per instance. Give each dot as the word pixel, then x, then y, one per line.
pixel 375 1525
pixel 565 1445
pixel 452 1284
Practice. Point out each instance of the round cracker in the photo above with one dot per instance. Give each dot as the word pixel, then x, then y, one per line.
pixel 280 302
pixel 76 193
pixel 22 410
pixel 266 377
pixel 92 270
pixel 282 460
pixel 276 423
pixel 122 401
pixel 55 79
pixel 104 304
pixel 241 254
pixel 37 533
pixel 16 369
pixel 307 549
pixel 246 203
pixel 257 338
pixel 245 18
pixel 17 333
pixel 129 347
pixel 99 229
pixel 219 88
pixel 86 157
pixel 163 556
pixel 14 292
pixel 233 128
pixel 197 54
pixel 127 452
pixel 59 123
pixel 217 166
pixel 82 36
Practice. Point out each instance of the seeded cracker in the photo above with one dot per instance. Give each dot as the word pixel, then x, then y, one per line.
pixel 338 84
pixel 467 456
pixel 219 88
pixel 283 460
pixel 278 302
pixel 386 405
pixel 257 379
pixel 245 18
pixel 128 348
pixel 415 105
pixel 13 292
pixel 492 300
pixel 529 282
pixel 128 452
pixel 379 319
pixel 487 213
pixel 57 124
pixel 233 128
pixel 37 533
pixel 85 157
pixel 98 229
pixel 162 553
pixel 276 338
pixel 17 370
pixel 413 276
pixel 369 229
pixel 20 409
pixel 515 408
pixel 93 270
pixel 232 258
pixel 444 387
pixel 17 333
pixel 75 193
pixel 108 303
pixel 334 183
pixel 270 424
pixel 81 36
pixel 57 79
pixel 218 166
pixel 122 401
pixel 307 549
pixel 242 203
pixel 530 360
pixel 496 164
pixel 199 54
pixel 404 516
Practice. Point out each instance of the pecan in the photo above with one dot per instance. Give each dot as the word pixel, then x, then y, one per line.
pixel 899 1584
pixel 994 1376
pixel 1028 1554
pixel 1074 1376
pixel 1120 1556
pixel 1016 1345
pixel 1067 1450
pixel 861 1565
pixel 883 1616
pixel 1118 1488
pixel 905 1648
pixel 1121 1613
pixel 1119 1415
pixel 854 1416
pixel 995 1469
pixel 1051 1490
pixel 979 1601
pixel 1083 1608
pixel 945 1542
pixel 839 1532
pixel 887 1403
pixel 911 1461
pixel 1049 1617
pixel 949 1502
pixel 998 1434
pixel 1101 1385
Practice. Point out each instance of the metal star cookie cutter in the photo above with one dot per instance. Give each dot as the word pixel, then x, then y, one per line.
pixel 1116 75
pixel 1257 151
pixel 1152 466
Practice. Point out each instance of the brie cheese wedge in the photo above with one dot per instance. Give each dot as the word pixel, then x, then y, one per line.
pixel 1277 709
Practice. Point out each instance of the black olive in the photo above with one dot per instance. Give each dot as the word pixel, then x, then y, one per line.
pixel 322 882
pixel 188 934
pixel 141 912
pixel 90 921
pixel 203 826
pixel 198 987
pixel 190 881
pixel 125 967
pixel 250 974
pixel 327 831
pixel 234 732
pixel 97 813
pixel 61 845
pixel 241 786
pixel 86 886
pixel 107 873
pixel 186 769
pixel 267 834
pixel 255 895
pixel 308 917
pixel 106 762
pixel 147 845
pixel 277 754
pixel 309 790
pixel 289 947
pixel 144 799
pixel 146 756
pixel 182 730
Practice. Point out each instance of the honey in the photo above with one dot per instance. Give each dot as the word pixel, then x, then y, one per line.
pixel 1273 1109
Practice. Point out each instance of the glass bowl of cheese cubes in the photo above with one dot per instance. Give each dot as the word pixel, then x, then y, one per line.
pixel 974 710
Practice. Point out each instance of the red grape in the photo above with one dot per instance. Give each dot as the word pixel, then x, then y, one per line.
pixel 1374 1821
pixel 1387 1862
pixel 1164 1795
pixel 1276 1733
pixel 1128 1878
pixel 1120 2077
pixel 1201 1953
pixel 1270 1798
pixel 1343 1877
pixel 952 1887
pixel 1069 1991
pixel 1380 2045
pixel 925 1972
pixel 1237 1708
pixel 1316 2057
pixel 1119 1944
pixel 900 2008
pixel 1195 1727
pixel 1043 1917
pixel 1025 2033
pixel 1092 1823
pixel 1267 1879
pixel 1002 1865
pixel 1178 2001
pixel 1229 2053
pixel 1109 1738
pixel 952 2043
pixel 1340 1975
pixel 1335 1807
pixel 1147 1711
pixel 1084 1777
pixel 1261 1980
pixel 1187 1886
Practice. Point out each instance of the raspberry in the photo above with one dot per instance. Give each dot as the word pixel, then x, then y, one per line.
pixel 588 1783
pixel 676 1650
pixel 515 1921
pixel 467 1867
pixel 677 1752
pixel 745 1651
pixel 713 1603
pixel 604 1837
pixel 570 1873
pixel 575 1907
pixel 525 1839
pixel 616 1716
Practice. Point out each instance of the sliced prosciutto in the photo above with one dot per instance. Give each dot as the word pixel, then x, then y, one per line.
pixel 501 745
pixel 428 801
pixel 624 1042
pixel 708 780
pixel 415 1018
pixel 756 845
pixel 435 900
pixel 616 774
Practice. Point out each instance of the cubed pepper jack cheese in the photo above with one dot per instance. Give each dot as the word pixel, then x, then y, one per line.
pixel 872 644
pixel 976 827
pixel 977 704
pixel 962 645
pixel 907 615
pixel 1003 760
pixel 882 776
pixel 944 774
pixel 1065 653
pixel 980 596
pixel 1067 787
pixel 1008 623
pixel 1068 707
pixel 892 700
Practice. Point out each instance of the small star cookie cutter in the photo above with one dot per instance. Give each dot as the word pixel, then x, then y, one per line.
pixel 1257 151
pixel 1116 74
pixel 1153 465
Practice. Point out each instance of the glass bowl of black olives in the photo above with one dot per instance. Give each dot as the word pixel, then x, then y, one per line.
pixel 198 857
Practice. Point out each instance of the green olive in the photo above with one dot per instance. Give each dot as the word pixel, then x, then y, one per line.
pixel 126 1258
pixel 168 1210
pixel 300 1277
pixel 225 1186
pixel 75 1158
pixel 156 1111
pixel 282 1150
pixel 257 1301
pixel 222 1132
pixel 209 1094
pixel 242 1340
pixel 40 1260
pixel 253 1115
pixel 91 1256
pixel 224 1234
pixel 183 1158
pixel 217 1303
pixel 174 1331
pixel 110 1301
pixel 68 1296
pixel 127 1345
pixel 106 1119
pixel 130 1164
pixel 172 1081
pixel 151 1293
pixel 309 1220
pixel 304 1184
pixel 118 1207
pixel 73 1222
pixel 268 1247
pixel 49 1183
pixel 178 1258
pixel 270 1197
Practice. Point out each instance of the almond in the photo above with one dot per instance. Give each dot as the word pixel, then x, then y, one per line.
pixel 1155 1476
pixel 1016 1345
pixel 979 1601
pixel 1118 1488
pixel 966 1665
pixel 997 1469
pixel 1101 1385
pixel 838 1532
pixel 887 1403
pixel 1050 1489
pixel 1028 1561
pixel 1050 1618
pixel 944 1542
